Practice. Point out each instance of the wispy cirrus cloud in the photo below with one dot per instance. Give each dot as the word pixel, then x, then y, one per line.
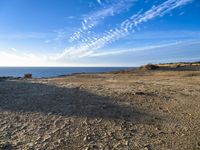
pixel 129 25
pixel 17 58
pixel 93 53
pixel 115 52
pixel 69 17
pixel 125 28
pixel 146 48
pixel 92 19
pixel 99 1
pixel 13 49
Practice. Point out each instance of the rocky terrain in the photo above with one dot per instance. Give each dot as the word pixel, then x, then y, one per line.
pixel 142 110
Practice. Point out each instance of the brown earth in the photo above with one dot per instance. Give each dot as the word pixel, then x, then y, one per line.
pixel 152 110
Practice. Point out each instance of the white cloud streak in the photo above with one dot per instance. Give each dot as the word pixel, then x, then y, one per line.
pixel 116 52
pixel 99 1
pixel 10 58
pixel 14 49
pixel 125 28
pixel 93 19
pixel 134 49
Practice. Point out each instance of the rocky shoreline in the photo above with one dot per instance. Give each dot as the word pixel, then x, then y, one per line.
pixel 131 110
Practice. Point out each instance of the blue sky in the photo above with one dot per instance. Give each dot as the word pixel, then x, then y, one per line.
pixel 98 32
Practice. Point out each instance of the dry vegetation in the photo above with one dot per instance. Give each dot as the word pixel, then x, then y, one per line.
pixel 140 110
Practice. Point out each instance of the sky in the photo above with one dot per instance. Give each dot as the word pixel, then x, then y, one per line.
pixel 98 32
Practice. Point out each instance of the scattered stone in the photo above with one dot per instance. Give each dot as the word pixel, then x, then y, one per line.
pixel 124 123
pixel 198 144
pixel 126 143
pixel 162 133
pixel 6 146
pixel 139 93
pixel 85 138
pixel 148 147
pixel 92 147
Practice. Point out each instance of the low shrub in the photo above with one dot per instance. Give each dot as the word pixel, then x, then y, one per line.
pixel 28 76
pixel 149 67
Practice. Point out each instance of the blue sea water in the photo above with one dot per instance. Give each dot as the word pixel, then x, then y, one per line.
pixel 40 72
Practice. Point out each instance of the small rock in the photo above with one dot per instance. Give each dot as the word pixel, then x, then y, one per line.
pixel 116 145
pixel 85 138
pixel 162 133
pixel 118 128
pixel 139 93
pixel 198 144
pixel 126 143
pixel 92 147
pixel 67 134
pixel 60 140
pixel 148 147
pixel 95 147
pixel 6 146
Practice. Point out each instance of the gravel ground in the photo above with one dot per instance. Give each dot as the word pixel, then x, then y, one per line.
pixel 132 111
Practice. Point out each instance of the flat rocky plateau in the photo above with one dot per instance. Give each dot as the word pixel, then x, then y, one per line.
pixel 149 110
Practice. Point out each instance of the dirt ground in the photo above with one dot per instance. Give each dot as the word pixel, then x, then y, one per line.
pixel 152 110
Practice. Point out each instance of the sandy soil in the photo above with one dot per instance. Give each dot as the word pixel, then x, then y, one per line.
pixel 133 111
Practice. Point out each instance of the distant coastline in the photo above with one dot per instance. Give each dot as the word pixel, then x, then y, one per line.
pixel 51 72
pixel 48 72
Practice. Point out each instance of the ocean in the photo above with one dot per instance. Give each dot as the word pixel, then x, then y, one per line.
pixel 42 72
